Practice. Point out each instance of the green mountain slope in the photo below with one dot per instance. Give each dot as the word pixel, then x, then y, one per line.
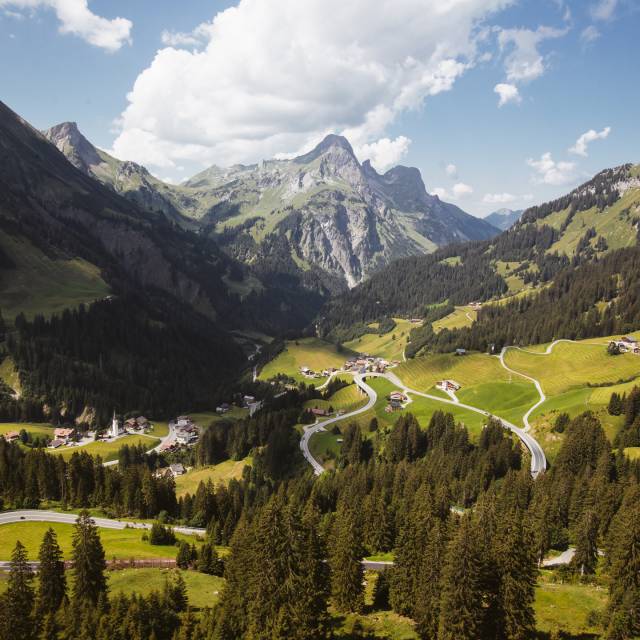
pixel 592 230
pixel 322 214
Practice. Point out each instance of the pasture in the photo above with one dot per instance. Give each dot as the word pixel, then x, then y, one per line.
pixel 460 317
pixel 390 345
pixel 305 352
pixel 218 473
pixel 107 450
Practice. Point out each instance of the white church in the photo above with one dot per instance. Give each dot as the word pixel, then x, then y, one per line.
pixel 115 427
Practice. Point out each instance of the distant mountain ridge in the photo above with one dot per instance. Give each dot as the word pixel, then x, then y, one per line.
pixel 504 219
pixel 322 213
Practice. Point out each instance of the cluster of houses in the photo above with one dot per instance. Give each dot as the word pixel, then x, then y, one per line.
pixel 137 425
pixel 248 402
pixel 11 436
pixel 311 374
pixel 627 344
pixel 368 364
pixel 62 436
pixel 185 433
pixel 397 400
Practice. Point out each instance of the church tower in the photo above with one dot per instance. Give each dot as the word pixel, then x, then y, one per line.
pixel 115 427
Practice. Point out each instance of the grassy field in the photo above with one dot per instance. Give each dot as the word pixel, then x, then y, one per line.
pixel 107 450
pixel 203 590
pixel 39 284
pixel 35 429
pixel 566 606
pixel 223 472
pixel 205 418
pixel 475 368
pixel 509 400
pixel 120 544
pixel 573 365
pixel 306 352
pixel 346 399
pixel 460 317
pixel 632 453
pixel 390 345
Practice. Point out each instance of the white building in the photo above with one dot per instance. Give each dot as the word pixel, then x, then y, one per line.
pixel 115 426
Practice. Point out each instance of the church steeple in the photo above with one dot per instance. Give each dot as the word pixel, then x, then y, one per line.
pixel 115 427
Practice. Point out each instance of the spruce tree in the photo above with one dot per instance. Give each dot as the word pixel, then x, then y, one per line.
pixel 461 594
pixel 624 588
pixel 19 619
pixel 518 571
pixel 345 561
pixel 183 557
pixel 586 556
pixel 88 561
pixel 53 584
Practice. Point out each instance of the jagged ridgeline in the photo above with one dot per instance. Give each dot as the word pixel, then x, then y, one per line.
pixel 576 260
pixel 322 217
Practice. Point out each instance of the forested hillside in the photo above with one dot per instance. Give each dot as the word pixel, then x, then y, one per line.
pixel 577 283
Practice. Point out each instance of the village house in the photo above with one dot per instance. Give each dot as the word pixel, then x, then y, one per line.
pixel 177 469
pixel 461 352
pixel 627 344
pixel 223 408
pixel 248 400
pixel 317 411
pixel 63 434
pixel 54 444
pixel 11 436
pixel 448 385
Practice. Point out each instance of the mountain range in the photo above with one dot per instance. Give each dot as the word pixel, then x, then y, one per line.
pixel 504 219
pixel 323 213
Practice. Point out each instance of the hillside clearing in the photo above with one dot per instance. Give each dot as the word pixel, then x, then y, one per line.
pixel 223 472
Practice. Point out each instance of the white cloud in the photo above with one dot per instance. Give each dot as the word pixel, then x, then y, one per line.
pixel 505 198
pixel 589 34
pixel 524 62
pixel 275 75
pixel 508 93
pixel 604 9
pixel 195 38
pixel 460 190
pixel 451 170
pixel 580 148
pixel 384 153
pixel 76 18
pixel 548 171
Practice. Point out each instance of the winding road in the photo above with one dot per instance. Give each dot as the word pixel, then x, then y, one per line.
pixel 538 459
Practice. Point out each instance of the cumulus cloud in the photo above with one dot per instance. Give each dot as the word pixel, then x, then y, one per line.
pixel 384 153
pixel 76 18
pixel 460 190
pixel 524 62
pixel 580 148
pixel 505 198
pixel 272 76
pixel 604 9
pixel 451 170
pixel 548 171
pixel 508 93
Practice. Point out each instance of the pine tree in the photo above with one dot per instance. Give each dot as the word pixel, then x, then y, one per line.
pixel 183 557
pixel 518 571
pixel 624 588
pixel 586 555
pixel 345 561
pixel 53 583
pixel 461 595
pixel 49 628
pixel 19 620
pixel 88 561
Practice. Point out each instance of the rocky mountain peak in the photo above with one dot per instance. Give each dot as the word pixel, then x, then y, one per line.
pixel 332 144
pixel 79 151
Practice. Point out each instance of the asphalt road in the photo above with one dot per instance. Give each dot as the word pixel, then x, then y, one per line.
pixel 538 459
pixel 321 426
pixel 36 515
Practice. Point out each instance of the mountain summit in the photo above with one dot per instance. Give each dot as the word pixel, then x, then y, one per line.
pixel 322 215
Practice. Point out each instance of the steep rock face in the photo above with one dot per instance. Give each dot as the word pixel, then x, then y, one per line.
pixel 332 213
pixel 129 179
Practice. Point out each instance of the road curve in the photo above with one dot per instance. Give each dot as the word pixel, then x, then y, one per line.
pixel 538 459
pixel 36 515
pixel 543 397
pixel 320 426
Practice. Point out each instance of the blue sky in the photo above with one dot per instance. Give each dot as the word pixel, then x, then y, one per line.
pixel 179 86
